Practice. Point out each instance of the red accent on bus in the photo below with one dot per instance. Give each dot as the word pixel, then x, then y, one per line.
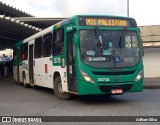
pixel 46 68
pixel 23 56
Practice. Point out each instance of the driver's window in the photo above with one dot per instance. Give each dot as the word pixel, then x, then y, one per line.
pixel 134 42
pixel 127 42
pixel 131 42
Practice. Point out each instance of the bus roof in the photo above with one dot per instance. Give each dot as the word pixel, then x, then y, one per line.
pixel 66 21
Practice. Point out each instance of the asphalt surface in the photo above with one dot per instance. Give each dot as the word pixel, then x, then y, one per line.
pixel 15 100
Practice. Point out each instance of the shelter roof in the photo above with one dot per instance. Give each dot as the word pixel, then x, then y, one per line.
pixel 11 11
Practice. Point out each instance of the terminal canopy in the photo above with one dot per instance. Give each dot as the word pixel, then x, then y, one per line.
pixel 12 31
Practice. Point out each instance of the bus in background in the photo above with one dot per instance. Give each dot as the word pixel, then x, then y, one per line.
pixel 83 55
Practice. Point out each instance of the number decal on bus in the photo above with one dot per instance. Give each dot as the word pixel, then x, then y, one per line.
pixel 103 79
pixel 57 60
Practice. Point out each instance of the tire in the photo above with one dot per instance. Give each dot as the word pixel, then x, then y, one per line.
pixel 58 90
pixel 25 84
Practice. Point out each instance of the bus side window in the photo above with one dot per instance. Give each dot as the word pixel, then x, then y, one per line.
pixel 38 48
pixel 25 52
pixel 47 39
pixel 58 43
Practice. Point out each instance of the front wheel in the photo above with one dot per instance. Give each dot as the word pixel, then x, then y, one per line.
pixel 60 94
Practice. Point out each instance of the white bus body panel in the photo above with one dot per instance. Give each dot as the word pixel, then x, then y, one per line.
pixel 46 78
pixel 41 76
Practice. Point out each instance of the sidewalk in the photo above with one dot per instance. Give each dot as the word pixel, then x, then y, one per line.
pixel 152 83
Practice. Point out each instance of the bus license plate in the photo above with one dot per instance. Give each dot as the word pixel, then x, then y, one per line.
pixel 117 91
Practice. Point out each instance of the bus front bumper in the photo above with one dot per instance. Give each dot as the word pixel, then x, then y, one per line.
pixel 85 88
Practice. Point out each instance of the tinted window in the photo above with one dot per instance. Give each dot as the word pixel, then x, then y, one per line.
pixel 109 49
pixel 47 39
pixel 25 52
pixel 58 42
pixel 38 48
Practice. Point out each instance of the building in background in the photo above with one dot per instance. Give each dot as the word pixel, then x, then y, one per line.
pixel 150 35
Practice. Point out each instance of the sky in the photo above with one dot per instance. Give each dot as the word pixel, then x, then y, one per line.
pixel 146 12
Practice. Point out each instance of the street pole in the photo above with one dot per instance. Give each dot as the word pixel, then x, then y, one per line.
pixel 128 8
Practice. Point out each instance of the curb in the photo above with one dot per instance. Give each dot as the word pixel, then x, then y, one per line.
pixel 151 87
pixel 152 83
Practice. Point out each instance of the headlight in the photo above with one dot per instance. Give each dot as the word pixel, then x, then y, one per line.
pixel 86 77
pixel 139 76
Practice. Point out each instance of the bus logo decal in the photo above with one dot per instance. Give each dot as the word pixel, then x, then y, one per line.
pixel 117 59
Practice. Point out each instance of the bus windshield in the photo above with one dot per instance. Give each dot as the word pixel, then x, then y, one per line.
pixel 109 48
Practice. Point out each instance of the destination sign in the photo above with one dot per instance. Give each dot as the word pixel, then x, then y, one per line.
pixel 107 21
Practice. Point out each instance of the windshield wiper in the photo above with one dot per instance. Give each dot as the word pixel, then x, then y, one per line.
pixel 100 43
pixel 120 41
pixel 122 37
pixel 99 39
pixel 96 31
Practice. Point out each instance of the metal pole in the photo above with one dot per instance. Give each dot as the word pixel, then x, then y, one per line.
pixel 128 8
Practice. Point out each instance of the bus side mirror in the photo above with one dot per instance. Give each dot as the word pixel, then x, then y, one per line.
pixel 75 39
pixel 142 48
pixel 142 51
pixel 74 28
pixel 139 31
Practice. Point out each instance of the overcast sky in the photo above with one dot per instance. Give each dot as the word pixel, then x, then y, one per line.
pixel 146 12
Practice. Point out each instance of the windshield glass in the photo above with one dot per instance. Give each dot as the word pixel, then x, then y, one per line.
pixel 109 49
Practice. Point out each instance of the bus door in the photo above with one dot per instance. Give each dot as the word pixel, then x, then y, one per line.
pixel 71 67
pixel 31 75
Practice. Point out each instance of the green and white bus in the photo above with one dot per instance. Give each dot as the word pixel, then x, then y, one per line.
pixel 83 55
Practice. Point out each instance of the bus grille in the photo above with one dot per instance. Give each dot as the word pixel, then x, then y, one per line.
pixel 109 88
pixel 114 73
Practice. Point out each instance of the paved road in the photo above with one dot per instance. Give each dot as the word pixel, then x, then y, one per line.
pixel 152 62
pixel 17 100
